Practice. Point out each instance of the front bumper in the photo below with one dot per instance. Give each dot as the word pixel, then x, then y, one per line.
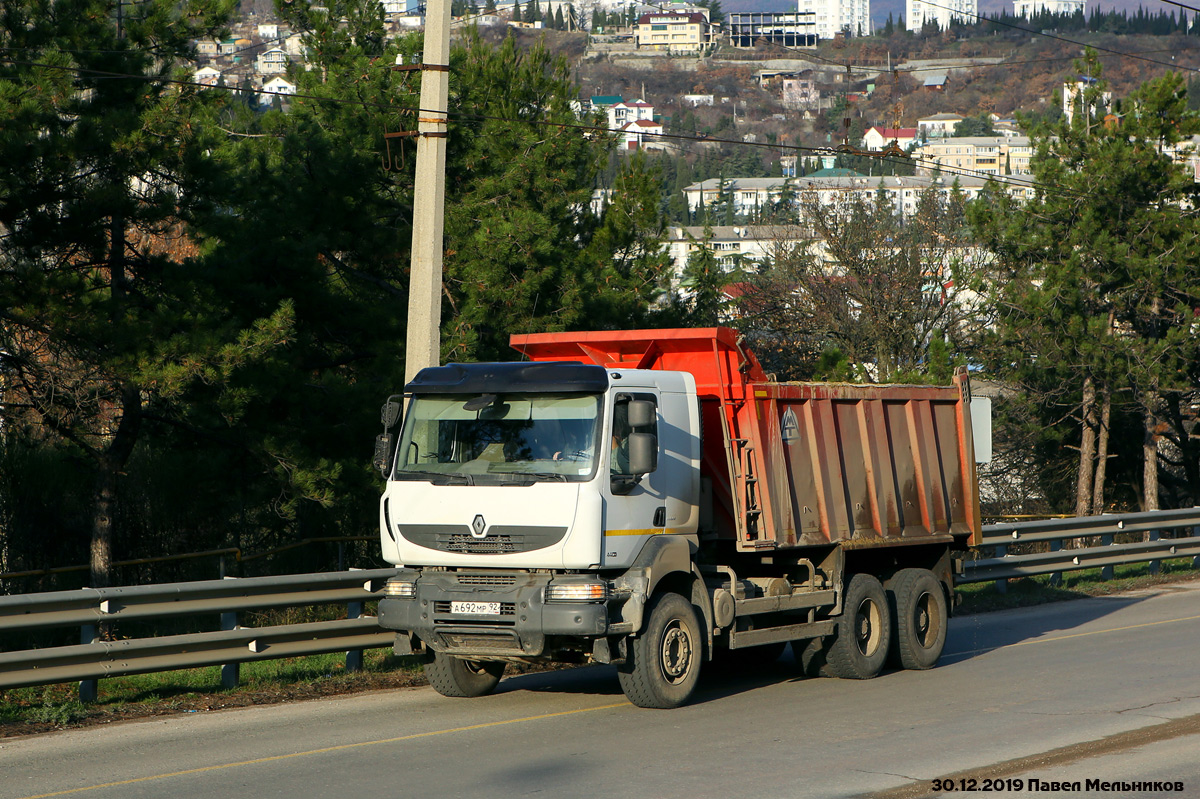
pixel 525 623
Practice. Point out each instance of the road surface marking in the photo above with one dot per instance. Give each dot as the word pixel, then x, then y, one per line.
pixel 339 748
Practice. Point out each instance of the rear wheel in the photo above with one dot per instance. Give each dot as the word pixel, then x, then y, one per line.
pixel 921 618
pixel 664 662
pixel 453 676
pixel 864 630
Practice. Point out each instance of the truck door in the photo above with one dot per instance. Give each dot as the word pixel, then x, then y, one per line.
pixel 634 505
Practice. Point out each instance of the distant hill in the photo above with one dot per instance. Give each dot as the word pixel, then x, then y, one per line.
pixel 881 8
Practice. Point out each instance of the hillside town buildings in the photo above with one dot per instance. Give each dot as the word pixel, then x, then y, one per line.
pixel 918 13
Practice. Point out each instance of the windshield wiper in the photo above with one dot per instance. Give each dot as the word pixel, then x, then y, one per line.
pixel 547 476
pixel 437 478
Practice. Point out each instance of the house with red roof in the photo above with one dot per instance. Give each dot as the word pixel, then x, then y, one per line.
pixel 644 134
pixel 878 138
pixel 626 111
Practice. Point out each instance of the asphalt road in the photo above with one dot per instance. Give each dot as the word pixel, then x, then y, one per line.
pixel 1105 689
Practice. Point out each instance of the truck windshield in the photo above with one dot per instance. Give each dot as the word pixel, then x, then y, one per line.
pixel 495 439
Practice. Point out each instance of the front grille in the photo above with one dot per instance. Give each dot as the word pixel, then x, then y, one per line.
pixel 492 545
pixel 443 606
pixel 487 579
pixel 500 539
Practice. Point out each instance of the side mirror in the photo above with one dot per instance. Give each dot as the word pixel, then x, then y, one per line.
pixel 643 459
pixel 641 414
pixel 390 413
pixel 643 452
pixel 383 452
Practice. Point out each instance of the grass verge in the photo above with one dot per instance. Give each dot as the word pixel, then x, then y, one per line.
pixel 25 711
pixel 1027 591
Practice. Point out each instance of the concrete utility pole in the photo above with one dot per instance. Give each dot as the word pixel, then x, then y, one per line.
pixel 425 278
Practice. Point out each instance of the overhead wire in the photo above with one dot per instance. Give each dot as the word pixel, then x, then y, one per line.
pixel 583 128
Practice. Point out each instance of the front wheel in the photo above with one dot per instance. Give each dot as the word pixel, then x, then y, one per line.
pixel 452 676
pixel 863 632
pixel 664 662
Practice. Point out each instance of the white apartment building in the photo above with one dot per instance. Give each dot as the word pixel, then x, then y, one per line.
pixel 831 17
pixel 754 195
pixel 733 245
pixel 1028 8
pixel 991 155
pixel 943 12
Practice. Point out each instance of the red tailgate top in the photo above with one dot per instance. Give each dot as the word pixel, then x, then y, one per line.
pixel 712 354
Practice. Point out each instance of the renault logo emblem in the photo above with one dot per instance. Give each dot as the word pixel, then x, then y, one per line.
pixel 479 527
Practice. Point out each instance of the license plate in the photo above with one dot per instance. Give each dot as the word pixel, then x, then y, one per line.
pixel 475 608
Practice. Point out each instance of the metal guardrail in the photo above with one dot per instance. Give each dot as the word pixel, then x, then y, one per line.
pixel 1174 533
pixel 1171 534
pixel 91 608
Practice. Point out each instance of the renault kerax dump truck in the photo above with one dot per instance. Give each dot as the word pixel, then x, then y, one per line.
pixel 653 500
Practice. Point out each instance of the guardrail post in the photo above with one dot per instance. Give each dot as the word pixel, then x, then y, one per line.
pixel 354 658
pixel 230 672
pixel 1155 565
pixel 1056 577
pixel 1106 573
pixel 1001 585
pixel 89 690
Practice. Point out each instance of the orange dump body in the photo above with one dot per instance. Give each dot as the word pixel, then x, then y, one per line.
pixel 802 464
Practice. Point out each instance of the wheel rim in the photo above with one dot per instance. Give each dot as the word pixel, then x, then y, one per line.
pixel 676 653
pixel 867 627
pixel 926 620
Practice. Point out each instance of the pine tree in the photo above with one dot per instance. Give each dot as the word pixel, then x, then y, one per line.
pixel 522 251
pixel 99 173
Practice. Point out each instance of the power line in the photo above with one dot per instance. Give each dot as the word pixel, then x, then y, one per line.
pixel 587 129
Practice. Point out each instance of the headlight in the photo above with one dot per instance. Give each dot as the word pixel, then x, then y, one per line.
pixel 577 592
pixel 400 589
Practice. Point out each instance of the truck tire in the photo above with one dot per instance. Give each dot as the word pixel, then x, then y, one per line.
pixel 921 618
pixel 452 676
pixel 863 632
pixel 664 662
